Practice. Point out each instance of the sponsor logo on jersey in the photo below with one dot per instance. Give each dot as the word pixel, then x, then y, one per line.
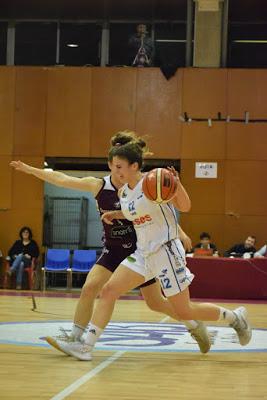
pixel 135 337
pixel 142 220
pixel 119 231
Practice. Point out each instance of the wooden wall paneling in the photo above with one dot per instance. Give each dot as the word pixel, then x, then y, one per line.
pixel 6 182
pixel 194 224
pixel 200 140
pixel 27 190
pixel 113 105
pixel 246 141
pixel 5 231
pixel 30 112
pixel 68 112
pixel 204 92
pixel 157 111
pixel 7 109
pixel 207 195
pixel 247 92
pixel 246 189
pixel 236 230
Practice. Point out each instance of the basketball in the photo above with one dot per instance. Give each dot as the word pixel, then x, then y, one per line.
pixel 159 185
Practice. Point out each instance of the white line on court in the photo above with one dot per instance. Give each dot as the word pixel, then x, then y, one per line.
pixel 85 378
pixel 75 385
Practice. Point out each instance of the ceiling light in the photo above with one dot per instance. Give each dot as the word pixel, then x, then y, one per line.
pixel 72 45
pixel 251 41
pixel 171 40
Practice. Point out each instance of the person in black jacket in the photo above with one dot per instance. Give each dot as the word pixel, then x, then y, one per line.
pixel 205 243
pixel 21 254
pixel 238 250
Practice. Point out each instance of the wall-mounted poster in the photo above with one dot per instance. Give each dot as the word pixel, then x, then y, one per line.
pixel 206 170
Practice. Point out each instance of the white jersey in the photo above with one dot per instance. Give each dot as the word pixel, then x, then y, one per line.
pixel 155 224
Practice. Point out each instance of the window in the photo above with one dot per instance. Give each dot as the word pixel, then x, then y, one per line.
pixel 80 44
pixel 35 43
pixel 170 44
pixel 247 39
pixel 3 42
pixel 119 52
pixel 247 45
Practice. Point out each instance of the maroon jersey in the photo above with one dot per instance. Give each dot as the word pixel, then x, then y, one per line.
pixel 122 232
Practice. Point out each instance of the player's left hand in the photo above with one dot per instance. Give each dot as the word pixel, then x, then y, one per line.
pixel 173 171
pixel 108 217
pixel 187 242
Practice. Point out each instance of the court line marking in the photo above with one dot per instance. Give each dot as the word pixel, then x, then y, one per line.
pixel 85 378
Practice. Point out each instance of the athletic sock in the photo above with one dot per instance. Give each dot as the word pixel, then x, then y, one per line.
pixel 93 334
pixel 190 324
pixel 227 315
pixel 77 331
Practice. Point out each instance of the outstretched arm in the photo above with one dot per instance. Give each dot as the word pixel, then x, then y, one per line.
pixel 88 184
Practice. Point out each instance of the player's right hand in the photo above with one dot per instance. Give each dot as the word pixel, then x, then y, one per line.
pixel 20 166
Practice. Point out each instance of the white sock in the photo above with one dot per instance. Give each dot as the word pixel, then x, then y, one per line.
pixel 77 331
pixel 227 315
pixel 190 324
pixel 93 334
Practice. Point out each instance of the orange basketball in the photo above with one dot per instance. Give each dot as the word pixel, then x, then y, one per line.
pixel 159 185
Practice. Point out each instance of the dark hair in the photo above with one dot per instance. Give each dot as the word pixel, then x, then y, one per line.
pixel 123 137
pixel 204 235
pixel 23 229
pixel 252 237
pixel 129 146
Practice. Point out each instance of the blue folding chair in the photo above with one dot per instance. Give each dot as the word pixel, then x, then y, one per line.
pixel 57 261
pixel 82 262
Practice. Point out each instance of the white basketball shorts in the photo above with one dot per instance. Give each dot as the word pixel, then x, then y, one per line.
pixel 168 264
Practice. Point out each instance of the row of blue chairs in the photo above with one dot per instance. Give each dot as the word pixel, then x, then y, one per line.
pixel 61 261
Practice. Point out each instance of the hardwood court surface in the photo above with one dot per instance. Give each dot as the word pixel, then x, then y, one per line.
pixel 34 372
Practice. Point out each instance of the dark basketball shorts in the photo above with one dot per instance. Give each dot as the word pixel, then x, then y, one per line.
pixel 112 258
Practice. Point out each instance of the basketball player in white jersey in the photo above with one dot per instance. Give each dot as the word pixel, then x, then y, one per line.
pixel 119 242
pixel 159 254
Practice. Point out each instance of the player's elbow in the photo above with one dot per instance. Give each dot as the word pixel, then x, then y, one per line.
pixel 183 206
pixel 186 207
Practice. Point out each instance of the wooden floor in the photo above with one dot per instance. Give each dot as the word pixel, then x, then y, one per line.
pixel 38 372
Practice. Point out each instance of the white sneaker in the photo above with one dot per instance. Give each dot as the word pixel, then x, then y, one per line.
pixel 55 341
pixel 241 326
pixel 201 335
pixel 77 349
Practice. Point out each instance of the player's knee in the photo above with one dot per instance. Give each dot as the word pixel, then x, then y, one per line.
pixel 109 292
pixel 90 289
pixel 154 305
